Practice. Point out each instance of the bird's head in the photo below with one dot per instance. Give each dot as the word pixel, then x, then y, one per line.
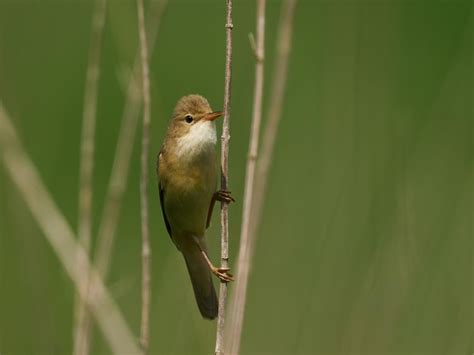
pixel 192 125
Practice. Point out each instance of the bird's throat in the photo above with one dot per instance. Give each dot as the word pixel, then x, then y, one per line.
pixel 200 140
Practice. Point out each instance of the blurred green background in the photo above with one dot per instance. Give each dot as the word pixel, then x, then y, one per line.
pixel 366 240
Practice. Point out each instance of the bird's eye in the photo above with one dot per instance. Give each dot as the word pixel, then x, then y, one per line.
pixel 189 119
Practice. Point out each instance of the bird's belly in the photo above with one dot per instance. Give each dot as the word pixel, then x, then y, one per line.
pixel 187 199
pixel 187 211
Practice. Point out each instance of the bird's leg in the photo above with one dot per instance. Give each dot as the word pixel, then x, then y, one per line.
pixel 222 273
pixel 222 196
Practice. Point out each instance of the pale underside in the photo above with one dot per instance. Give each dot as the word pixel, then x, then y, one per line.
pixel 188 192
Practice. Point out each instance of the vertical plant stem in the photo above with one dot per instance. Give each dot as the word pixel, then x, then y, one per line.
pixel 243 265
pixel 219 349
pixel 119 175
pixel 257 195
pixel 120 168
pixel 277 97
pixel 146 252
pixel 59 234
pixel 81 335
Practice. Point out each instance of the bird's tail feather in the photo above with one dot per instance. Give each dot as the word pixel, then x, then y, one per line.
pixel 201 280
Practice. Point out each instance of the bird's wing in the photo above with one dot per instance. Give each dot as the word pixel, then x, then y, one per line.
pixel 162 198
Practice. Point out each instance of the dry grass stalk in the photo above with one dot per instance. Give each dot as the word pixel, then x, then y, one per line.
pixel 81 335
pixel 261 175
pixel 284 39
pixel 119 175
pixel 62 239
pixel 219 349
pixel 146 252
pixel 243 265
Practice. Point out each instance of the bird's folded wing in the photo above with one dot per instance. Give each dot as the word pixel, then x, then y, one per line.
pixel 162 198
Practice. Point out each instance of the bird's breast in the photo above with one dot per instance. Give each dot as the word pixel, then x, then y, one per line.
pixel 189 187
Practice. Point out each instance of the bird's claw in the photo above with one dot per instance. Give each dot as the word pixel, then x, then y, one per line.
pixel 223 274
pixel 224 196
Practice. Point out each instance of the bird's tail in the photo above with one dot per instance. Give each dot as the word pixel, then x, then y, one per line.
pixel 201 279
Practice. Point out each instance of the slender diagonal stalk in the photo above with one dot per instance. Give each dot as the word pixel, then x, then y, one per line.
pixel 60 236
pixel 252 220
pixel 119 175
pixel 219 349
pixel 146 252
pixel 243 266
pixel 81 335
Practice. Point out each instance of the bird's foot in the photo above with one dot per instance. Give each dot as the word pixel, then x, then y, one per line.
pixel 223 274
pixel 224 196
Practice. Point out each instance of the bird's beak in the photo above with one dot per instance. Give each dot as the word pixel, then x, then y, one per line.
pixel 211 116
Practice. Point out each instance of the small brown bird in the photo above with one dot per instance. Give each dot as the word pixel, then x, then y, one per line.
pixel 187 177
